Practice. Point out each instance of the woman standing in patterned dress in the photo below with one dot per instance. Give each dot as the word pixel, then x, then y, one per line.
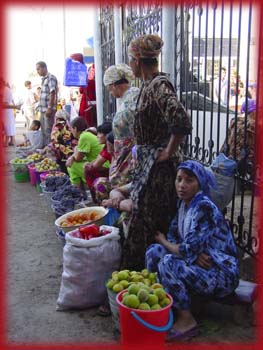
pixel 199 254
pixel 117 80
pixel 160 126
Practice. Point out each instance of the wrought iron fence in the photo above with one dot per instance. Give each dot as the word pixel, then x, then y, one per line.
pixel 107 55
pixel 208 39
pixel 217 66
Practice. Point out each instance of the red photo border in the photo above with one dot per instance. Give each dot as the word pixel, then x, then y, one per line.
pixel 4 344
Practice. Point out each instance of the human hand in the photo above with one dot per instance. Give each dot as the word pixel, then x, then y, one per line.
pixel 70 161
pixel 163 155
pixel 160 237
pixel 88 166
pixel 204 261
pixel 48 112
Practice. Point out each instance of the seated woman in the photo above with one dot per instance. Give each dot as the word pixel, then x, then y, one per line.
pixel 199 254
pixel 87 150
pixel 100 166
pixel 119 197
pixel 101 185
pixel 240 140
pixel 62 139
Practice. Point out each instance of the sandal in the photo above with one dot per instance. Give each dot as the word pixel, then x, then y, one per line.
pixel 174 335
pixel 104 310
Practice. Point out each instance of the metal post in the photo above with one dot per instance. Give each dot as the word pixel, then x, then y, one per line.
pixel 98 66
pixel 168 25
pixel 64 31
pixel 117 37
pixel 117 34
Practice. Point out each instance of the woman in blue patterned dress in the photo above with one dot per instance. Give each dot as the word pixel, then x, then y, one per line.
pixel 199 254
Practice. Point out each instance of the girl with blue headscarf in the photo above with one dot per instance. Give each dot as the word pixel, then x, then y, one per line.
pixel 198 254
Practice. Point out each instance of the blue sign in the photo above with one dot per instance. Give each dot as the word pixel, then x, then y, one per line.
pixel 75 73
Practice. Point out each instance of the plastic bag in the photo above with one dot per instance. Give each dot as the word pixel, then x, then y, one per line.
pixel 112 216
pixel 224 165
pixel 224 170
pixel 86 270
pixel 222 196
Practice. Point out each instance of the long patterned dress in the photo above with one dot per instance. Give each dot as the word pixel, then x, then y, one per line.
pixel 120 172
pixel 158 115
pixel 200 228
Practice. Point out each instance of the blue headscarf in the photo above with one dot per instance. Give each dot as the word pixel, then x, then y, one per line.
pixel 205 177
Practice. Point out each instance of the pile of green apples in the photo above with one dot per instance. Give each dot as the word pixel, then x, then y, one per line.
pixel 34 157
pixel 20 161
pixel 46 164
pixel 142 291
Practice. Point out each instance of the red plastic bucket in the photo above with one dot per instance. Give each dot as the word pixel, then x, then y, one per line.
pixel 144 329
pixel 32 174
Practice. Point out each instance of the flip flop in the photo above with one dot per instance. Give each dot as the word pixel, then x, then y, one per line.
pixel 174 335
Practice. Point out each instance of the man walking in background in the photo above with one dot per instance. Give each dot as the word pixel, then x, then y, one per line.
pixel 221 87
pixel 47 101
pixel 28 107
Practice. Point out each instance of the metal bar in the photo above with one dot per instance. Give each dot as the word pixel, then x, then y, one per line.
pixel 205 79
pixel 220 81
pixel 199 12
pixel 211 142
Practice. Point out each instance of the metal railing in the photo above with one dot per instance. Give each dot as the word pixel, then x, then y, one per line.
pixel 207 39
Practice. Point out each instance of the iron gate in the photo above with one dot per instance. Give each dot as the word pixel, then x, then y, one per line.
pixel 206 40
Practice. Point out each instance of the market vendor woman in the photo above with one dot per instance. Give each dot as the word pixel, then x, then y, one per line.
pixel 87 150
pixel 199 254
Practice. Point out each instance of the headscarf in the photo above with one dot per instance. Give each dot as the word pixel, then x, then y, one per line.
pixel 116 73
pixel 146 46
pixel 62 114
pixel 251 106
pixel 205 177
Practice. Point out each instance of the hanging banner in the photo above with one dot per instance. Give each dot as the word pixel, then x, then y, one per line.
pixel 75 73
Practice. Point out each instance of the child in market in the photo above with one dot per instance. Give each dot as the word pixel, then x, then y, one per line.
pixel 198 254
pixel 34 136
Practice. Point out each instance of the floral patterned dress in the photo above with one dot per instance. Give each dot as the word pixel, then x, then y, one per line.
pixel 158 115
pixel 120 171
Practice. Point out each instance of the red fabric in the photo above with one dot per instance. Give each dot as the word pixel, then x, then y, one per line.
pixel 83 102
pixel 86 110
pixel 105 154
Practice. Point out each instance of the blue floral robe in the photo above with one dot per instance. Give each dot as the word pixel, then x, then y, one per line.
pixel 200 228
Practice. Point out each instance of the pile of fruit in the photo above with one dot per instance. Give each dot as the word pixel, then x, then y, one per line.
pixel 90 231
pixel 53 183
pixel 46 164
pixel 69 192
pixel 20 161
pixel 65 198
pixel 34 157
pixel 143 291
pixel 64 206
pixel 80 219
pixel 55 173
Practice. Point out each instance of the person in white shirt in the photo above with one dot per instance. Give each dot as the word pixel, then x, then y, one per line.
pixel 222 86
pixel 34 136
pixel 30 101
pixel 8 117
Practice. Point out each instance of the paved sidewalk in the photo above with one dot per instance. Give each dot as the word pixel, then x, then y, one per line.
pixel 35 266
